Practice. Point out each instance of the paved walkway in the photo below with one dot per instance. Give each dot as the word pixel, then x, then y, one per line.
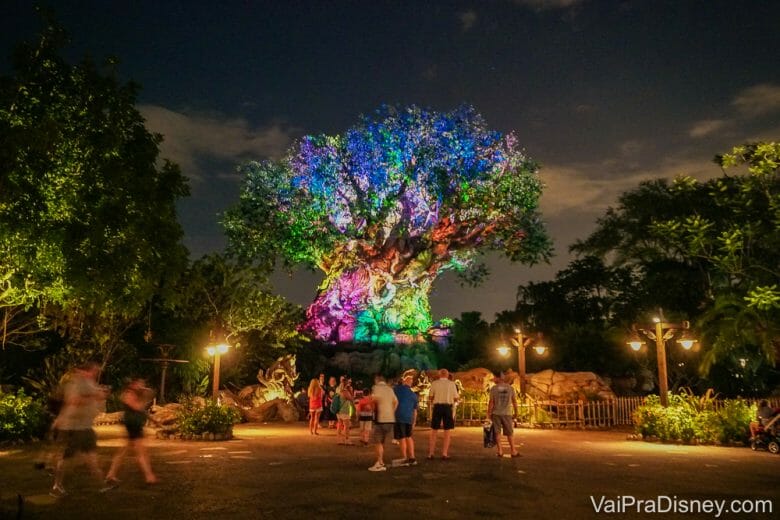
pixel 277 472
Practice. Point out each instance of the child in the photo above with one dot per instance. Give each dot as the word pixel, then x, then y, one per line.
pixel 365 411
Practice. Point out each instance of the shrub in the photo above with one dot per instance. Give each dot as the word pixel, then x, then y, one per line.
pixel 734 418
pixel 212 417
pixel 472 405
pixel 649 417
pixel 690 418
pixel 22 417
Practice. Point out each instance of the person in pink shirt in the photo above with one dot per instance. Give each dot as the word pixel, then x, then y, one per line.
pixel 315 405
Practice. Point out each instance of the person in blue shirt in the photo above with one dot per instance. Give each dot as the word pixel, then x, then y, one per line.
pixel 405 418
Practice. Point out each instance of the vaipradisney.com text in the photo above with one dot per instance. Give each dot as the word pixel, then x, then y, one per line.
pixel 672 504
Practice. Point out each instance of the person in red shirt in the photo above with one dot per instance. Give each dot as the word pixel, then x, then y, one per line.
pixel 365 411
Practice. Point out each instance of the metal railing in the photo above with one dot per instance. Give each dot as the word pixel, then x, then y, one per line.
pixel 562 414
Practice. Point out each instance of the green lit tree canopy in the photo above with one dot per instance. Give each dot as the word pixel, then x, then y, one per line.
pixel 386 207
pixel 87 210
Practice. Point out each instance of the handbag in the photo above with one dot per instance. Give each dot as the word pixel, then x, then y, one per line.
pixel 488 434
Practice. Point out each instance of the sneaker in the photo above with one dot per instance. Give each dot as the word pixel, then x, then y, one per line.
pixel 400 462
pixel 109 484
pixel 378 467
pixel 411 462
pixel 57 491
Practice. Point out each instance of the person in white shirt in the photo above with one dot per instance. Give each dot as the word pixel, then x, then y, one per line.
pixel 441 398
pixel 385 404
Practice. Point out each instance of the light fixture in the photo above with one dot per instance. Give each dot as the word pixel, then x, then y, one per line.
pixel 503 350
pixel 686 341
pixel 540 349
pixel 635 342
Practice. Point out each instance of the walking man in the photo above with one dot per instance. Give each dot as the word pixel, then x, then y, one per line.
pixel 502 409
pixel 405 419
pixel 385 404
pixel 441 398
pixel 82 399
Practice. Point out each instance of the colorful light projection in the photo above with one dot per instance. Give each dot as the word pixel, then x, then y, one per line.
pixel 387 207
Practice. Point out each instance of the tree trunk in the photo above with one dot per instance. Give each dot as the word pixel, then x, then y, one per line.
pixel 370 304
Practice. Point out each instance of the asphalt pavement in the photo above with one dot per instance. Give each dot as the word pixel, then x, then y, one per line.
pixel 281 471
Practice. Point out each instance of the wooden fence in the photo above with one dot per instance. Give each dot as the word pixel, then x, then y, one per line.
pixel 562 414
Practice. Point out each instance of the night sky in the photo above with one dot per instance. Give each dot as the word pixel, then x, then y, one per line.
pixel 603 94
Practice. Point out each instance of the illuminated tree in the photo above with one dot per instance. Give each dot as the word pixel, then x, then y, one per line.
pixel 384 209
pixel 88 228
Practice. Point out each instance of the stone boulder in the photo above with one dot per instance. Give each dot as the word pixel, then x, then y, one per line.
pixel 568 386
pixel 275 410
pixel 475 379
pixel 165 415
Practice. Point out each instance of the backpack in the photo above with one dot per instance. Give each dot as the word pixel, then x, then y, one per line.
pixel 335 404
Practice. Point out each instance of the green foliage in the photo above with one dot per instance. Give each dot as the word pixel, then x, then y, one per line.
pixel 735 417
pixel 708 251
pixel 220 295
pixel 88 222
pixel 689 418
pixel 577 313
pixel 22 417
pixel 473 404
pixel 467 339
pixel 212 417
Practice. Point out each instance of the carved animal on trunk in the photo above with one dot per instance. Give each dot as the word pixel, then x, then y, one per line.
pixel 275 383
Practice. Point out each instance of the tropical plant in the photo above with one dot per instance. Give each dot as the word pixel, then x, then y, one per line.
pixel 690 418
pixel 210 417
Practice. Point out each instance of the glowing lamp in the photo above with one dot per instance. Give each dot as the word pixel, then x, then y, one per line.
pixel 686 341
pixel 211 350
pixel 540 349
pixel 635 342
pixel 503 350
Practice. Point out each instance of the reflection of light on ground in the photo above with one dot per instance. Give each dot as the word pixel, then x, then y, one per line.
pixel 40 500
pixel 9 452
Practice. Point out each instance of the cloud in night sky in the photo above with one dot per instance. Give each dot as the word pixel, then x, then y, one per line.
pixel 194 140
pixel 758 100
pixel 706 127
pixel 747 109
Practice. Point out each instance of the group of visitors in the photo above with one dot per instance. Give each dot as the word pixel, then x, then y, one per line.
pixel 385 412
pixel 82 400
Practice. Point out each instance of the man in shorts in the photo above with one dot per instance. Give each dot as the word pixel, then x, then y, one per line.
pixel 441 398
pixel 81 404
pixel 502 409
pixel 405 418
pixel 385 404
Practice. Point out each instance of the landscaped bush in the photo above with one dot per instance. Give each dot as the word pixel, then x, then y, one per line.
pixel 195 419
pixel 22 417
pixel 472 405
pixel 735 417
pixel 690 418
